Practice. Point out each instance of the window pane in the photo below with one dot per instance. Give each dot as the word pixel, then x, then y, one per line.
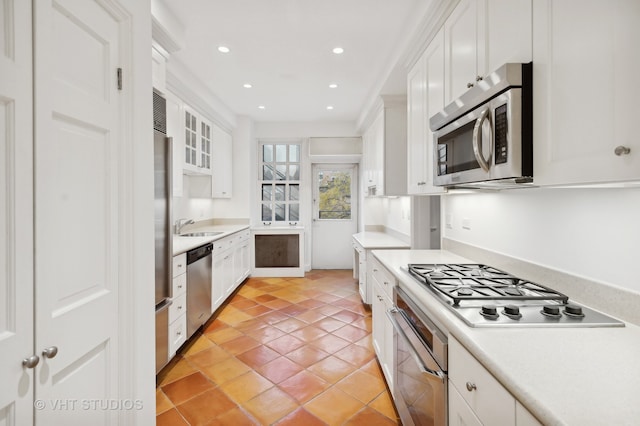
pixel 281 172
pixel 279 194
pixel 294 172
pixel 281 153
pixel 266 213
pixel 280 209
pixel 294 212
pixel 266 192
pixel 194 126
pixel 294 153
pixel 187 117
pixel 267 153
pixel 267 172
pixel 335 195
pixel 294 192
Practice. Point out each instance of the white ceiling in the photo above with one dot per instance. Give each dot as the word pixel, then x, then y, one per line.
pixel 284 49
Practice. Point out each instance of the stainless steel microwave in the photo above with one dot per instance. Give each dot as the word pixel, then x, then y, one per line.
pixel 484 139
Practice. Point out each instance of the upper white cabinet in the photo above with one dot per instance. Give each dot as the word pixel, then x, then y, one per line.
pixel 175 130
pixel 585 91
pixel 158 70
pixel 481 35
pixel 425 97
pixel 197 143
pixel 385 149
pixel 222 163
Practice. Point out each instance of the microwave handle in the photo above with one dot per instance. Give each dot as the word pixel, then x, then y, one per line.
pixel 477 141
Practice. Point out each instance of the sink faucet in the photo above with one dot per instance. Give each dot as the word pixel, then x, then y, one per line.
pixel 181 223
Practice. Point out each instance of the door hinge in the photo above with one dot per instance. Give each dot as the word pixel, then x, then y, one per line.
pixel 119 74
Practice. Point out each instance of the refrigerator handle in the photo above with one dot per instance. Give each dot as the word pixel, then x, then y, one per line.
pixel 169 194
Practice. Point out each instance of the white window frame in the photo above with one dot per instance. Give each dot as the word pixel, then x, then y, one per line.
pixel 286 182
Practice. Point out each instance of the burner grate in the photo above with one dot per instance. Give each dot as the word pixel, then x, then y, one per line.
pixel 461 282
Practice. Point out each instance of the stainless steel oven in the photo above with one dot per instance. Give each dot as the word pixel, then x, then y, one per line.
pixel 420 388
pixel 485 138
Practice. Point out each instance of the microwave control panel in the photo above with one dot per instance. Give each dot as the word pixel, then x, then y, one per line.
pixel 501 126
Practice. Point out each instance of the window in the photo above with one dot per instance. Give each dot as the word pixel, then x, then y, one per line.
pixel 280 182
pixel 334 193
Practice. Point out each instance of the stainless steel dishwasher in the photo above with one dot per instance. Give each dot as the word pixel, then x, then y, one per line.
pixel 199 263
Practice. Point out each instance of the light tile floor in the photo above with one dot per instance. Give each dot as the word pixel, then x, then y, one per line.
pixel 282 351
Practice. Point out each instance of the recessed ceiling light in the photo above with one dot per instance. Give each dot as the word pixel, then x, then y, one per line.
pixel 260 106
pixel 223 49
pixel 338 50
pixel 247 86
pixel 333 85
pixel 330 107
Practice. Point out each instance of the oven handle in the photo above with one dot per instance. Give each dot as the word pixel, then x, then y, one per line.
pixel 477 140
pixel 438 374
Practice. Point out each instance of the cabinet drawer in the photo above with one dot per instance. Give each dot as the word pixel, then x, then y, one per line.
pixel 179 264
pixel 177 334
pixel 223 243
pixel 380 274
pixel 178 307
pixel 179 285
pixel 244 235
pixel 491 402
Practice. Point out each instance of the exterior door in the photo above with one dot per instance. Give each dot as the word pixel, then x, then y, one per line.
pixel 79 161
pixel 335 214
pixel 16 218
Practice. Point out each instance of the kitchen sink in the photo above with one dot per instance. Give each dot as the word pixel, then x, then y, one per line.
pixel 201 234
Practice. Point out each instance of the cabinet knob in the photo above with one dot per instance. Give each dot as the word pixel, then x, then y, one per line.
pixel 50 352
pixel 478 78
pixel 386 283
pixel 31 362
pixel 471 386
pixel 622 150
pixel 469 85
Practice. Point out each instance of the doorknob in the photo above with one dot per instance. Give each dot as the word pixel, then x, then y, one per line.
pixel 50 352
pixel 31 362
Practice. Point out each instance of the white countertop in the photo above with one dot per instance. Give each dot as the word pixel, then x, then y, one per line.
pixel 380 240
pixel 564 376
pixel 184 244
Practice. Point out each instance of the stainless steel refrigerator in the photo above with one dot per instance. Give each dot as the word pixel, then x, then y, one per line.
pixel 162 155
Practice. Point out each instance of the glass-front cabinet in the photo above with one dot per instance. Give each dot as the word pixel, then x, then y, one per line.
pixel 197 143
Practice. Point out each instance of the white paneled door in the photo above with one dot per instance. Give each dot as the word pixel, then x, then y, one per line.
pixel 16 220
pixel 79 163
pixel 335 215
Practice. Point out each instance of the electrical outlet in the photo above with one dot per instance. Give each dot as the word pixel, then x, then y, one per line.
pixel 448 221
pixel 466 224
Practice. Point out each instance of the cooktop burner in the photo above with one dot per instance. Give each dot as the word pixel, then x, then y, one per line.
pixel 485 296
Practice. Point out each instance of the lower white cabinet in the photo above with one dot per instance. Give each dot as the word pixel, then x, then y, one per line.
pixel 476 397
pixel 383 331
pixel 230 266
pixel 360 271
pixel 178 308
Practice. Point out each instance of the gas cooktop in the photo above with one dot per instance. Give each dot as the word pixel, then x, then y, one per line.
pixel 483 296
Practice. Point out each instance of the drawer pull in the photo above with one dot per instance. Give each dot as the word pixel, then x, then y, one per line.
pixel 179 265
pixel 471 386
pixel 386 283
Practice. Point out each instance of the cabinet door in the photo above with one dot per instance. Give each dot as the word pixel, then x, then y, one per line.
pixel 460 414
pixel 175 130
pixel 204 147
pixel 190 139
pixel 218 281
pixel 417 127
pixel 222 172
pixel 377 313
pixel 504 33
pixel 586 92
pixel 158 70
pixel 460 31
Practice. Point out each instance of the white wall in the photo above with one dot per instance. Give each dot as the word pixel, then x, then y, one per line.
pixel 392 213
pixel 594 233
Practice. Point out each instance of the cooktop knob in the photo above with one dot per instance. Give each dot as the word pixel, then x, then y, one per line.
pixel 489 311
pixel 512 311
pixel 552 311
pixel 574 311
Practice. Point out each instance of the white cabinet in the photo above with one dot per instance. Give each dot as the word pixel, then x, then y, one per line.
pixel 480 36
pixel 425 97
pixel 360 271
pixel 197 143
pixel 385 149
pixel 158 70
pixel 175 130
pixel 383 332
pixel 178 308
pixel 222 171
pixel 585 91
pixel 476 397
pixel 230 266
